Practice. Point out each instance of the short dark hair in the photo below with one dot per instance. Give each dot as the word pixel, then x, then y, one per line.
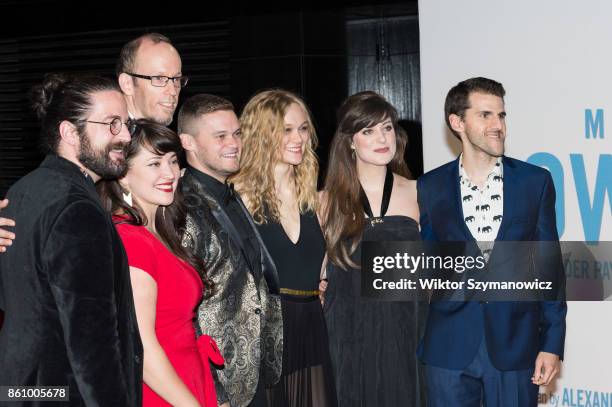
pixel 65 97
pixel 127 56
pixel 196 106
pixel 458 98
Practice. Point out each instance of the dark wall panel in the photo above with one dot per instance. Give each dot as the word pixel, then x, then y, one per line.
pixel 205 50
pixel 304 52
pixel 383 55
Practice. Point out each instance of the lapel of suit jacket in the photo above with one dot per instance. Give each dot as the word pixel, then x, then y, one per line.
pixel 225 222
pixel 219 214
pixel 58 163
pixel 268 267
pixel 510 192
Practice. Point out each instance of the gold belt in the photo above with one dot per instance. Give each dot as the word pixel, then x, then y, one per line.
pixel 301 293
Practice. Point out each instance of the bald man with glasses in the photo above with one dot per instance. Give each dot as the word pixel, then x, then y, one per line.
pixel 150 77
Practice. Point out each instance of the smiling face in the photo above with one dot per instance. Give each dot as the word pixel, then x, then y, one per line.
pixel 152 178
pixel 215 149
pixel 375 145
pixel 148 101
pixel 483 126
pixel 296 134
pixel 100 151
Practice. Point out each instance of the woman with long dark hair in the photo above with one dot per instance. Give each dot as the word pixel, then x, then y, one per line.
pixel 278 183
pixel 368 196
pixel 167 280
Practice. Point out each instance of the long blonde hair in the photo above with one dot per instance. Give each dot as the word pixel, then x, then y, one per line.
pixel 262 125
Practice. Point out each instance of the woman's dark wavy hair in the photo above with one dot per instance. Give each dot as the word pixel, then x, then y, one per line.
pixel 170 220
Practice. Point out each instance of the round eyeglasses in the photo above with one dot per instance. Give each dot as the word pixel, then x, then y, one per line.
pixel 116 125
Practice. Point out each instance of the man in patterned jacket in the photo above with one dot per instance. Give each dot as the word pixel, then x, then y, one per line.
pixel 243 315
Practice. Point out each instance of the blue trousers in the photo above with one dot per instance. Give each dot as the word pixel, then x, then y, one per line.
pixel 480 384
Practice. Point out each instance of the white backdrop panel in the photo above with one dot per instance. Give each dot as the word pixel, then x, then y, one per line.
pixel 555 60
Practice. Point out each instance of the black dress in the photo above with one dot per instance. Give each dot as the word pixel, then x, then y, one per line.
pixel 306 379
pixel 373 343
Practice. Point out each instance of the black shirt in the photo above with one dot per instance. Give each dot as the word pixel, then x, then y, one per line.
pixel 237 215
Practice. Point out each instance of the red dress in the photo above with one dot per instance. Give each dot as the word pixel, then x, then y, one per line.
pixel 179 291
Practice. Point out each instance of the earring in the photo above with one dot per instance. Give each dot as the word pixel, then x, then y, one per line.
pixel 127 197
pixel 352 151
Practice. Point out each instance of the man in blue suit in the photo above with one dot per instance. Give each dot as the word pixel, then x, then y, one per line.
pixel 496 353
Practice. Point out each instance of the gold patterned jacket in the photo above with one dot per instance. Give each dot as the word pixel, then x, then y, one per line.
pixel 242 315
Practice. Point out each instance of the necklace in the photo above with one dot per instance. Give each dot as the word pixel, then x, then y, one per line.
pixel 384 205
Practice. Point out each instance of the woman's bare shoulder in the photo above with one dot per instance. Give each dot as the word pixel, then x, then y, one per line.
pixel 405 184
pixel 404 197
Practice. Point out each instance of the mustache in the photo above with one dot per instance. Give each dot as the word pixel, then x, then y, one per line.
pixel 120 145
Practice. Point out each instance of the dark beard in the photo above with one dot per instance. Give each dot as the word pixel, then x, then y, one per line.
pixel 100 162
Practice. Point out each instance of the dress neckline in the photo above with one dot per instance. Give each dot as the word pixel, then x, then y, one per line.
pixel 401 217
pixel 287 234
pixel 123 220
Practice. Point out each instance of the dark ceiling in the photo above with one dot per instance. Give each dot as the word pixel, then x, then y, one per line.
pixel 42 17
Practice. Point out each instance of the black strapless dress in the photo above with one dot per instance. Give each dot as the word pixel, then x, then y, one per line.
pixel 373 343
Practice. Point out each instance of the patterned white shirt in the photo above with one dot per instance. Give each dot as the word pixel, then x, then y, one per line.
pixel 483 209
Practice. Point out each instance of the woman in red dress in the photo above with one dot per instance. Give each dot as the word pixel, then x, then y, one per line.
pixel 167 280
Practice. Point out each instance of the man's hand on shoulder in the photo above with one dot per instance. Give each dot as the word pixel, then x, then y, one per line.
pixel 546 368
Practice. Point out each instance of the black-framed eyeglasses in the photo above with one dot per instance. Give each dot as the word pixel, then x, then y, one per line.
pixel 116 125
pixel 160 81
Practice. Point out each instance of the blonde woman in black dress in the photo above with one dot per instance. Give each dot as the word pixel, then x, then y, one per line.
pixel 277 182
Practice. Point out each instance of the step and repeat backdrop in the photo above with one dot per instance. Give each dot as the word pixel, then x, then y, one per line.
pixel 554 59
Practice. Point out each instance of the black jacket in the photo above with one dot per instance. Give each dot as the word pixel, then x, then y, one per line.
pixel 65 289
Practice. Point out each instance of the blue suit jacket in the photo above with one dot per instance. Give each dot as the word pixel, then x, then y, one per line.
pixel 515 331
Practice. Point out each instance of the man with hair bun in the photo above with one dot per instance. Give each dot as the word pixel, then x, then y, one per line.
pixel 65 285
